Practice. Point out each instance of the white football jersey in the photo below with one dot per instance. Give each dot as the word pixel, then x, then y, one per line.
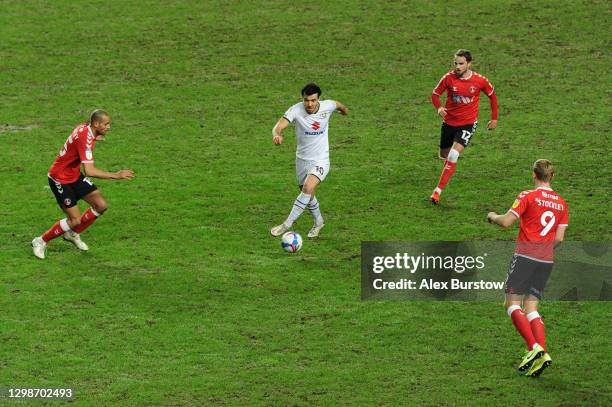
pixel 311 130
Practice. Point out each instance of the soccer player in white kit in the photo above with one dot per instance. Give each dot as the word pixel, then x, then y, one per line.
pixel 311 119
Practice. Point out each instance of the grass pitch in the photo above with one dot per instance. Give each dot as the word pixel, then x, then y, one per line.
pixel 185 299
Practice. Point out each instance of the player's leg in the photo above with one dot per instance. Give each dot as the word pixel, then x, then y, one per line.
pixel 535 320
pixel 39 244
pixel 538 282
pixel 443 153
pixel 521 323
pixel 519 319
pixel 318 223
pixel 317 217
pixel 447 136
pixel 87 191
pixel 537 327
pixel 300 203
pixel 97 206
pixel 308 174
pixel 518 282
pixel 67 200
pixel 317 174
pixel 461 138
pixel 446 140
pixel 447 171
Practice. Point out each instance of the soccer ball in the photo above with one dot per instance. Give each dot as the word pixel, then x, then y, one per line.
pixel 291 242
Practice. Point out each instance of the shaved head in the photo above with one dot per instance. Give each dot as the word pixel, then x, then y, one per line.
pixel 97 116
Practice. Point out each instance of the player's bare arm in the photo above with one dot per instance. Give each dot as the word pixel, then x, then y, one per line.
pixel 492 124
pixel 505 221
pixel 92 171
pixel 341 108
pixel 559 235
pixel 277 136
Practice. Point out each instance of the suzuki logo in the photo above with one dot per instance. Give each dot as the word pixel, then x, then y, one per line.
pixel 316 125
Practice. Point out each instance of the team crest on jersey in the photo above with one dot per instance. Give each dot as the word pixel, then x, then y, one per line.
pixel 67 201
pixel 88 154
pixel 323 115
pixel 454 89
pixel 472 89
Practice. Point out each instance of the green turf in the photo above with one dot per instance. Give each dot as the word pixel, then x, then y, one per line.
pixel 184 299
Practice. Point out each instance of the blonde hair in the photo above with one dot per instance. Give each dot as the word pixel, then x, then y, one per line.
pixel 543 170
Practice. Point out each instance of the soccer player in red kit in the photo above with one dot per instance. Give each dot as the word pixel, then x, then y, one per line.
pixel 460 113
pixel 544 218
pixel 69 184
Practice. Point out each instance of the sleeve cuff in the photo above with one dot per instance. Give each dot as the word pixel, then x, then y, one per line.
pixel 514 213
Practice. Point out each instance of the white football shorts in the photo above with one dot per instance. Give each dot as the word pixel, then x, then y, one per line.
pixel 304 168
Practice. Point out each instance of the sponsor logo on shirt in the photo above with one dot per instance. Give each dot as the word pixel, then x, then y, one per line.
pixel 315 125
pixel 463 99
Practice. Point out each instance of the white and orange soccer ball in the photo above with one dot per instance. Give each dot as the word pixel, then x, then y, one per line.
pixel 291 242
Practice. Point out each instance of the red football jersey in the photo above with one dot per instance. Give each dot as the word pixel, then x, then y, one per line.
pixel 77 149
pixel 541 212
pixel 462 97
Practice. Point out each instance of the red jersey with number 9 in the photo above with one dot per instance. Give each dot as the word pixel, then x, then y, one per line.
pixel 541 212
pixel 78 149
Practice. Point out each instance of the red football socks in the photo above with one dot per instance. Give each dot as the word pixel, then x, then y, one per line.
pixel 87 219
pixel 523 327
pixel 537 328
pixel 449 169
pixel 55 231
pixel 61 226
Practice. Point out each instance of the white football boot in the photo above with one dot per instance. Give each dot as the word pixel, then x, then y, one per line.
pixel 316 228
pixel 39 247
pixel 279 230
pixel 74 238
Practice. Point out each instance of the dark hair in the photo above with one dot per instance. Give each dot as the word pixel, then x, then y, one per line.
pixel 464 53
pixel 97 115
pixel 311 89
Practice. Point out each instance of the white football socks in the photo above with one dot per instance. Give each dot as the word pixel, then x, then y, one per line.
pixel 298 207
pixel 315 211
